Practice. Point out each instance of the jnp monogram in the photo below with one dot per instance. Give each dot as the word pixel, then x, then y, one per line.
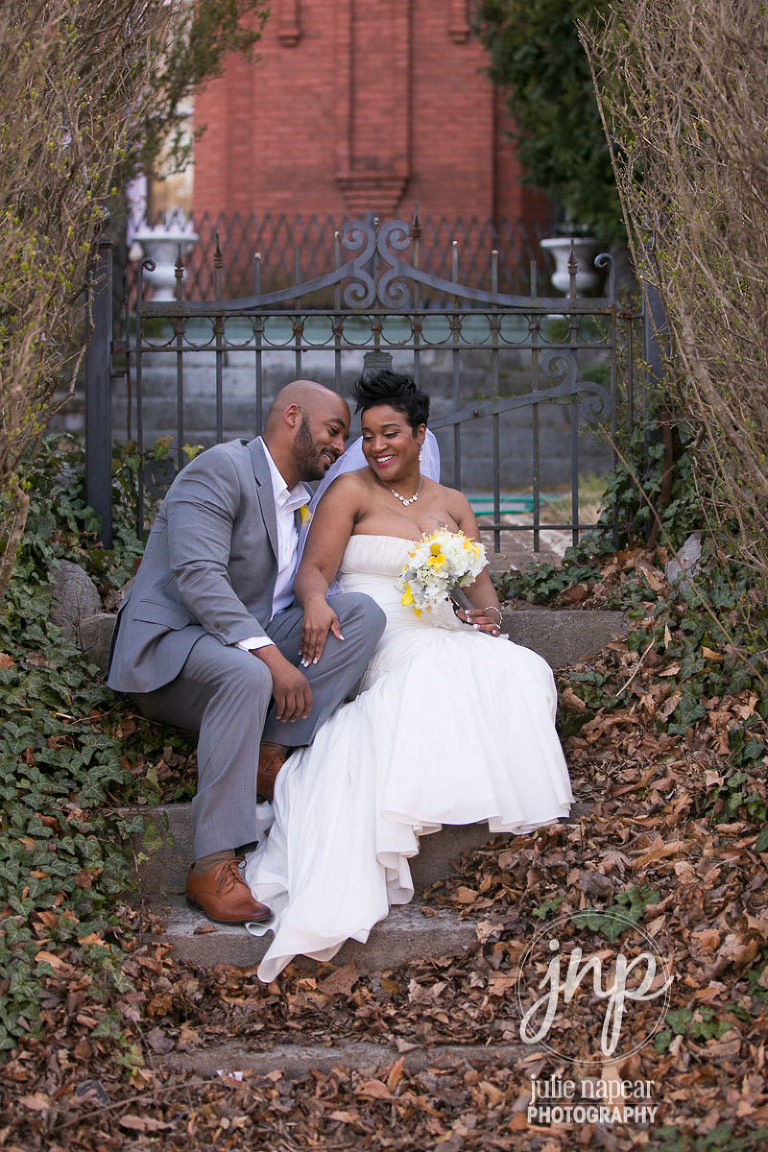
pixel 642 978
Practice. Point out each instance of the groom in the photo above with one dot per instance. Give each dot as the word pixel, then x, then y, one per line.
pixel 208 635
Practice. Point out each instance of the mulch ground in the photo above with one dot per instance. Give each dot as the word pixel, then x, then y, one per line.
pixel 99 1074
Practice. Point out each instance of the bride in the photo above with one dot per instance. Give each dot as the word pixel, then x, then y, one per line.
pixel 452 725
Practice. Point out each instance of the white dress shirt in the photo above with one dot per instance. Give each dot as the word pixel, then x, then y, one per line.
pixel 287 502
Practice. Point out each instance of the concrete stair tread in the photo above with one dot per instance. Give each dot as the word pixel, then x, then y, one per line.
pixel 297 1060
pixel 561 636
pixel 564 636
pixel 409 932
pixel 168 844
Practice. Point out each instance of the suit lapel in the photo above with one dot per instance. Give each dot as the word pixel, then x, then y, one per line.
pixel 264 492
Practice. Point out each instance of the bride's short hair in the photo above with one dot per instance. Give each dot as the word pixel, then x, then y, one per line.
pixel 396 390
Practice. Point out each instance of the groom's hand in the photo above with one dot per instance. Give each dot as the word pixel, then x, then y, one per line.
pixel 290 687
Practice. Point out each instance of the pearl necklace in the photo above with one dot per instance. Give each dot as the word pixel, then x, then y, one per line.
pixel 402 499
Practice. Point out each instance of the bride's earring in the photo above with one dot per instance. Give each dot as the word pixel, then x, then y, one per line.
pixel 421 453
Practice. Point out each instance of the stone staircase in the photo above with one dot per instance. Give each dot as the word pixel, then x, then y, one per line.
pixel 411 932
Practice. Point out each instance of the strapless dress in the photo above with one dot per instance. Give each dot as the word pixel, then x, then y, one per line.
pixel 451 726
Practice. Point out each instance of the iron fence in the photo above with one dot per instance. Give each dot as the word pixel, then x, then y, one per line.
pixel 524 386
pixel 270 252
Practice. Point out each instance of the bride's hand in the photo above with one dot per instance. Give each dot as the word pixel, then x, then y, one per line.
pixel 319 620
pixel 484 619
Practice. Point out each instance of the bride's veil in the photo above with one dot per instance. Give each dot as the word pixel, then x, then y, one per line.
pixel 353 459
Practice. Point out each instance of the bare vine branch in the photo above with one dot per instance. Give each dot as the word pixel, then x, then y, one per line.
pixel 683 92
pixel 87 90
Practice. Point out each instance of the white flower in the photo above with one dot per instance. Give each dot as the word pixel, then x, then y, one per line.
pixel 438 564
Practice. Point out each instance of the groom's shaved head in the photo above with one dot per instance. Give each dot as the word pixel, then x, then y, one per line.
pixel 306 429
pixel 310 397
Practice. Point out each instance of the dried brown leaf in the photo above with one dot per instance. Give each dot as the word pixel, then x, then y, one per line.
pixel 341 981
pixel 467 895
pixel 36 1102
pixel 144 1124
pixel 373 1090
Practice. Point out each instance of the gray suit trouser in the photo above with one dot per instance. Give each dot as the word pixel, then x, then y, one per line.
pixel 225 694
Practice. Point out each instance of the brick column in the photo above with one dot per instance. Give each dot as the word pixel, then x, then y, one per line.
pixel 373 105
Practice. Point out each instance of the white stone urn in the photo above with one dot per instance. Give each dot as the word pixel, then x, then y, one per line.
pixel 585 249
pixel 161 244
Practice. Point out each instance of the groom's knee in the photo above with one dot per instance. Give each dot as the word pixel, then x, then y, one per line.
pixel 361 618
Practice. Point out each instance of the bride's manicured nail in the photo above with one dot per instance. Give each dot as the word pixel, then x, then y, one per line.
pixel 315 660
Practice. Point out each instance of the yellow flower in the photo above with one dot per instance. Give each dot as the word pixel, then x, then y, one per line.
pixel 435 565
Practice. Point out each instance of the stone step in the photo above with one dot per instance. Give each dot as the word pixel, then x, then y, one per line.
pixel 295 1061
pixel 167 846
pixel 562 637
pixel 410 932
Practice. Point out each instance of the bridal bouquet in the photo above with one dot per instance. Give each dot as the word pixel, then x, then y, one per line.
pixel 437 566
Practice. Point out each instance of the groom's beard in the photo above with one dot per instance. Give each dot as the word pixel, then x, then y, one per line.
pixel 313 462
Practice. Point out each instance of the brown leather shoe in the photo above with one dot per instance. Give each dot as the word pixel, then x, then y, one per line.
pixel 271 759
pixel 224 896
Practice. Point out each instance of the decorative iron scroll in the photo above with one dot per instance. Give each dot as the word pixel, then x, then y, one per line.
pixel 376 275
pixel 158 475
pixel 595 398
pixel 564 369
pixel 476 346
pixel 363 287
pixel 393 285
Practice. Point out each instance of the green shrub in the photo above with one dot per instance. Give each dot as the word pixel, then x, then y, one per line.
pixel 63 764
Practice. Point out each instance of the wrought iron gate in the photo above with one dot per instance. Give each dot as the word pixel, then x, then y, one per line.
pixel 498 367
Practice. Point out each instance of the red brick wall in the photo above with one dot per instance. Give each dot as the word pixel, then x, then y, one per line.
pixel 355 106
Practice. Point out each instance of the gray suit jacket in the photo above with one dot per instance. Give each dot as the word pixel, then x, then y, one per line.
pixel 210 565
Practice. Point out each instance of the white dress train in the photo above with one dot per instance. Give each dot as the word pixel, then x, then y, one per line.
pixel 451 726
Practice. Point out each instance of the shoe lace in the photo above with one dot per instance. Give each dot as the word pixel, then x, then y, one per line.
pixel 229 875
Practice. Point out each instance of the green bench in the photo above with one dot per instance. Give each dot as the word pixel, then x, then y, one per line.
pixel 508 505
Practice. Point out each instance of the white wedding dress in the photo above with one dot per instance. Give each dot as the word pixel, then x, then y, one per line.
pixel 451 726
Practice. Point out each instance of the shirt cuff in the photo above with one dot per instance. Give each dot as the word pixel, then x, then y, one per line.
pixel 253 642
